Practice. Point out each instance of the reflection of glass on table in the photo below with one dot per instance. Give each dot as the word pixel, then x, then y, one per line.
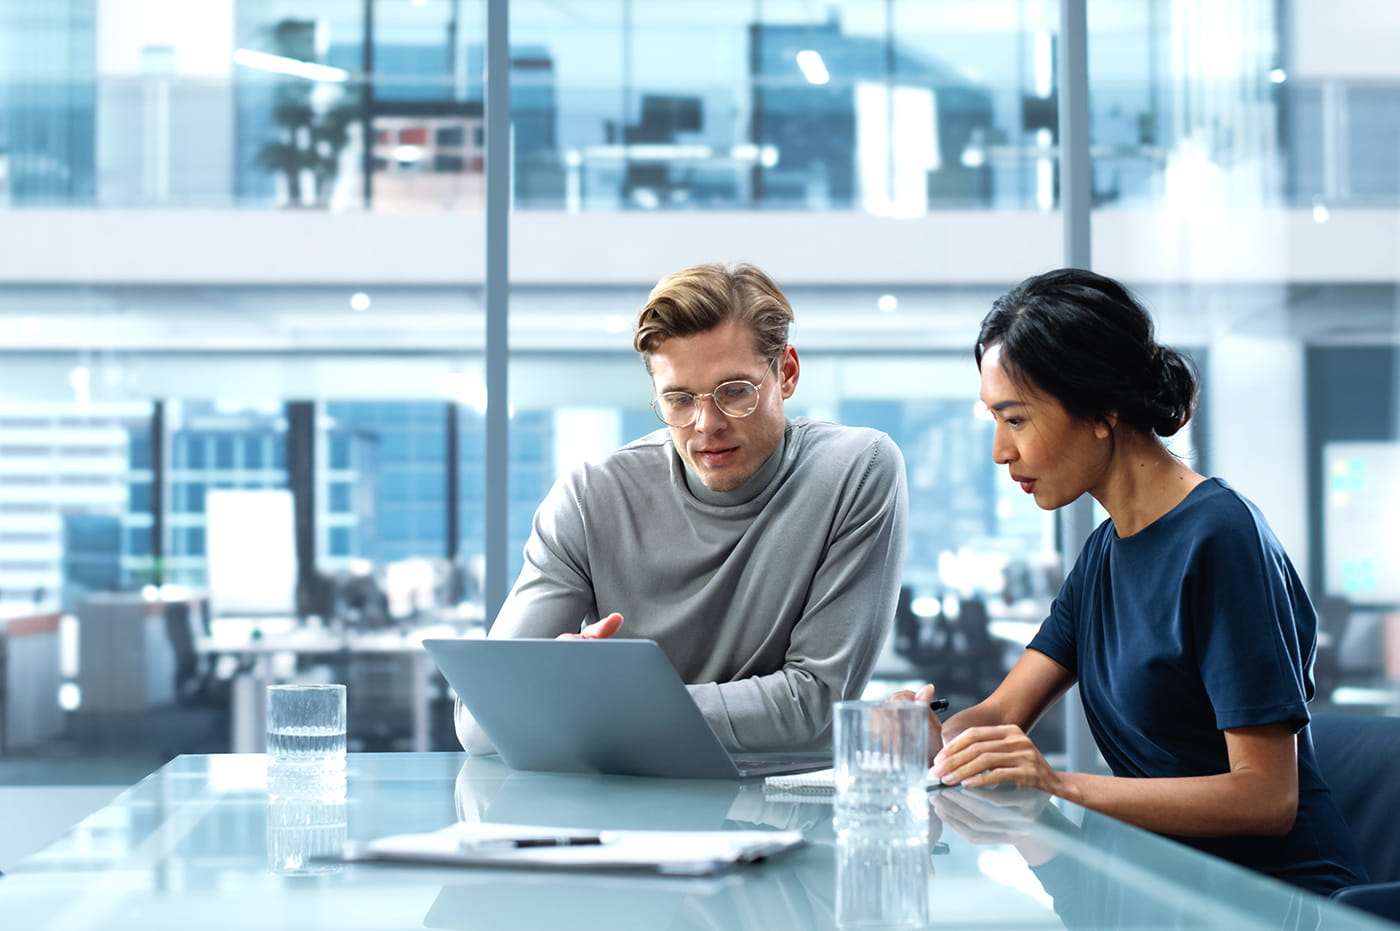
pixel 882 879
pixel 301 830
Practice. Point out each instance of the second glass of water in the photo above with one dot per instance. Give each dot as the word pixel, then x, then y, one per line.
pixel 881 762
pixel 305 739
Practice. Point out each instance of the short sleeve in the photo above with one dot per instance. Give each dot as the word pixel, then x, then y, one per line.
pixel 1058 636
pixel 1253 627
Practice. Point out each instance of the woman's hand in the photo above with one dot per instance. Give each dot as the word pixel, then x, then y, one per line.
pixel 989 816
pixel 935 727
pixel 1008 815
pixel 985 756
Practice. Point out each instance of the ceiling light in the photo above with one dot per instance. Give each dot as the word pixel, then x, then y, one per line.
pixel 293 66
pixel 813 68
pixel 465 390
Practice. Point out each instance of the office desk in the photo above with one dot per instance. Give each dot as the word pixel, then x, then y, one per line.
pixel 257 643
pixel 29 678
pixel 195 844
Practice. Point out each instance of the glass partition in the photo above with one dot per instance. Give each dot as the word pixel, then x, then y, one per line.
pixel 1234 231
pixel 213 211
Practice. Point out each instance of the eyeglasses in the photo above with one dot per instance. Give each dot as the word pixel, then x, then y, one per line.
pixel 732 398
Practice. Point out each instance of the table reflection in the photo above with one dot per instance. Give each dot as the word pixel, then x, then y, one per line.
pixel 1098 875
pixel 305 830
pixel 202 844
pixel 882 873
pixel 882 877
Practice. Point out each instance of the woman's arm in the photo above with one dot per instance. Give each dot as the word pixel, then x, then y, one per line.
pixel 1029 688
pixel 1032 686
pixel 987 744
pixel 1257 796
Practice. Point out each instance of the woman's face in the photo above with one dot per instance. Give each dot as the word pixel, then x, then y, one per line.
pixel 1054 457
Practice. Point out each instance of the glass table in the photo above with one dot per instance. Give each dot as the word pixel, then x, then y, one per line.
pixel 200 845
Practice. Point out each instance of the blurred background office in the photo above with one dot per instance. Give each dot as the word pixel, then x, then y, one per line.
pixel 244 289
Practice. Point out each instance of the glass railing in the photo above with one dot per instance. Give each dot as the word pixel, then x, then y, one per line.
pixel 903 148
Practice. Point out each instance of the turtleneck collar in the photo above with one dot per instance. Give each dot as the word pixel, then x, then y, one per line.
pixel 752 487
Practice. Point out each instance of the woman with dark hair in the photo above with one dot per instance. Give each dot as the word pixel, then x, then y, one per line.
pixel 1183 621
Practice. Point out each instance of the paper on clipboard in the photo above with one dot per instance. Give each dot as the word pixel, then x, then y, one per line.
pixel 504 846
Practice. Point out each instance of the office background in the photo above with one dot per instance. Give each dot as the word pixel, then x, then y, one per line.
pixel 243 248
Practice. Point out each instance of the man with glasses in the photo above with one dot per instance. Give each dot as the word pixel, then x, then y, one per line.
pixel 762 553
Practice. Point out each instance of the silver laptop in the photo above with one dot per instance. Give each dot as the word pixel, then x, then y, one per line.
pixel 595 706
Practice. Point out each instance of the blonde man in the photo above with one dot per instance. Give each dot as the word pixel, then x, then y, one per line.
pixel 762 553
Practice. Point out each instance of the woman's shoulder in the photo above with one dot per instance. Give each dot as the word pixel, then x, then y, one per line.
pixel 1217 501
pixel 1211 511
pixel 1216 511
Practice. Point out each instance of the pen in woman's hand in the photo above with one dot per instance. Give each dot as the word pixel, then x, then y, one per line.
pixel 938 704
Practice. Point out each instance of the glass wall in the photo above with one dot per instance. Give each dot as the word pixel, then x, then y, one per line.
pixel 1246 231
pixel 216 211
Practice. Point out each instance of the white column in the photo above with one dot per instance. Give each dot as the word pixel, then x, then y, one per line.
pixel 1257 442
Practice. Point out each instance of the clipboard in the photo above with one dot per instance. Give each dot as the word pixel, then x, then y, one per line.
pixel 531 847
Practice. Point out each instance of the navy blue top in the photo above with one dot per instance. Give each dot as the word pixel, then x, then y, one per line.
pixel 1194 625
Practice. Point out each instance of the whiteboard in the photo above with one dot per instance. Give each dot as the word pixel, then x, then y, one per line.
pixel 251 551
pixel 1361 521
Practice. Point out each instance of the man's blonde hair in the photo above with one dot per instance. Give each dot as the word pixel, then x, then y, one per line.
pixel 701 297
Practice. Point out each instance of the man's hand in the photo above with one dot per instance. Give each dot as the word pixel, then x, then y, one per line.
pixel 935 727
pixel 598 630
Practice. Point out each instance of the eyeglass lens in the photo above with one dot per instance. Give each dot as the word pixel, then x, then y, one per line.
pixel 734 398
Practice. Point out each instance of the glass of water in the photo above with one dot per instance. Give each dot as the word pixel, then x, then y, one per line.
pixel 880 752
pixel 305 740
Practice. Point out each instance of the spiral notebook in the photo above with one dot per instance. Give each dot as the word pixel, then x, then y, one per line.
pixel 818 785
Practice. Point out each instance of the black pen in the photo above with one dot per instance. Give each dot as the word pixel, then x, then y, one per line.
pixel 938 704
pixel 584 841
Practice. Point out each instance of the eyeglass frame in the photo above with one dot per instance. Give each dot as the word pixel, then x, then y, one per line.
pixel 697 398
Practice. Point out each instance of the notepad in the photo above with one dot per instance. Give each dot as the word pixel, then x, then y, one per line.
pixel 816 786
pixel 499 846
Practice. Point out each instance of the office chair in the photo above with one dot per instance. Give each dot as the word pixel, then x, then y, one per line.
pixel 959 654
pixel 1357 755
pixel 1332 616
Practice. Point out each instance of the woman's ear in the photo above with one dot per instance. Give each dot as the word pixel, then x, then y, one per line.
pixel 1105 425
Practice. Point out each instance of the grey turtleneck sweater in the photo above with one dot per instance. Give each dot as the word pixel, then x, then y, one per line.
pixel 771 600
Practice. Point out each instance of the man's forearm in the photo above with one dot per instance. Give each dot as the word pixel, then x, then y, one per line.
pixel 763 713
pixel 468 733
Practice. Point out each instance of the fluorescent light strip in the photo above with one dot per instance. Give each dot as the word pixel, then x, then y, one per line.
pixel 293 66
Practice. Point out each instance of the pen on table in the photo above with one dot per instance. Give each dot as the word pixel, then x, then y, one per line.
pixel 584 840
pixel 938 704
